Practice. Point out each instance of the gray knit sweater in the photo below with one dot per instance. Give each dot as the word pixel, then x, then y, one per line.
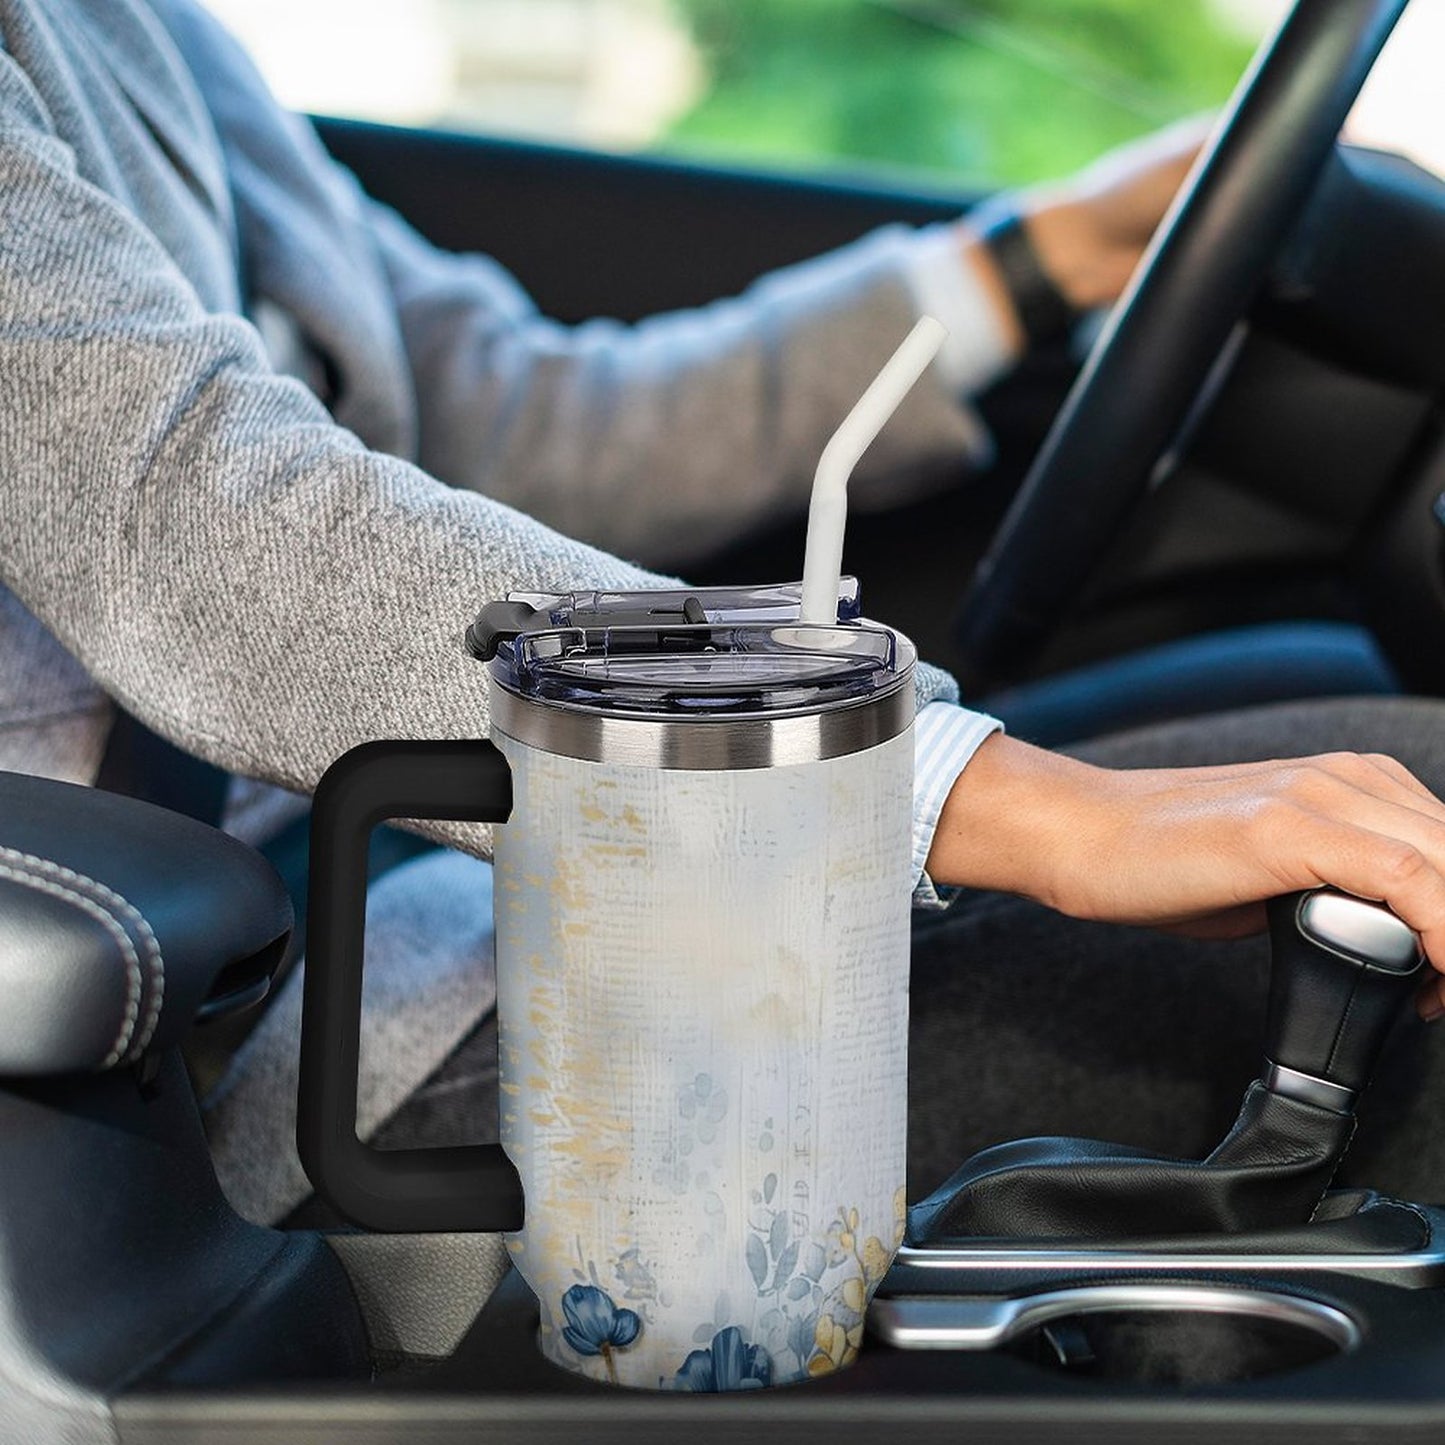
pixel 266 579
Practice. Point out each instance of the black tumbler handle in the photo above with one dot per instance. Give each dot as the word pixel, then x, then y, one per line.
pixel 403 1190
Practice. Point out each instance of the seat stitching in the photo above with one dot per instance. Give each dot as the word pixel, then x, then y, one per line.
pixel 112 925
pixel 109 899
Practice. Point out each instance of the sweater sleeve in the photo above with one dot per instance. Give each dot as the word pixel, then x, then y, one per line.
pixel 239 571
pixel 663 439
pixel 222 558
pixel 657 440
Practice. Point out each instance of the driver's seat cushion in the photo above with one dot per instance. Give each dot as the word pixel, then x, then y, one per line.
pixel 120 923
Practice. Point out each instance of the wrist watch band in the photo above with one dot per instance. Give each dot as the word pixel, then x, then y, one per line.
pixel 1044 312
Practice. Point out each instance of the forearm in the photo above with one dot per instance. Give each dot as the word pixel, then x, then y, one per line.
pixel 240 572
pixel 666 438
pixel 1198 850
pixel 1004 819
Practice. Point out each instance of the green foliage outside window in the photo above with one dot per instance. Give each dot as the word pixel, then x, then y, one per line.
pixel 988 91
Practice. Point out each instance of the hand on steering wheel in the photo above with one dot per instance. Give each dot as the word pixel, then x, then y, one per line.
pixel 1198 278
pixel 1091 230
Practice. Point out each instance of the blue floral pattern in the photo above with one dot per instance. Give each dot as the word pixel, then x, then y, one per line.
pixel 596 1326
pixel 812 1287
pixel 729 1363
pixel 699 1193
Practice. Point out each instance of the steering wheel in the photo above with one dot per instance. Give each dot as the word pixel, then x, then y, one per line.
pixel 1208 259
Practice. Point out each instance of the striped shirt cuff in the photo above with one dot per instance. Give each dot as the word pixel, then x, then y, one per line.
pixel 977 350
pixel 945 737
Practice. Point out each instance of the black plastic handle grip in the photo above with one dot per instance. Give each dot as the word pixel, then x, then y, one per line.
pixel 407 1190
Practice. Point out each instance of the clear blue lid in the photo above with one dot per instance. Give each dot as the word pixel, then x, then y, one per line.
pixel 715 651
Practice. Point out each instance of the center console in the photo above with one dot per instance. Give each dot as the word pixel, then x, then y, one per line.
pixel 1053 1290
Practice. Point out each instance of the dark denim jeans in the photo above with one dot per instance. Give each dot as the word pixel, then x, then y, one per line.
pixel 1212 673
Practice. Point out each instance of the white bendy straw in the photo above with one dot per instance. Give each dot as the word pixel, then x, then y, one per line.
pixel 828 510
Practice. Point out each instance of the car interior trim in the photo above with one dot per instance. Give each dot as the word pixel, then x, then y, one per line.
pixel 1295 1084
pixel 974 1322
pixel 1357 929
pixel 1414 1269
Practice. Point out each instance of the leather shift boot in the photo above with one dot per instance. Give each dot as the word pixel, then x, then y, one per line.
pixel 1271 1170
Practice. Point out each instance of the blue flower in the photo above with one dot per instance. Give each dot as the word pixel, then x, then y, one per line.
pixel 595 1326
pixel 728 1365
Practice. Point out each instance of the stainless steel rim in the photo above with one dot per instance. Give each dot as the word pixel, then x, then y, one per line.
pixel 705 743
pixel 982 1322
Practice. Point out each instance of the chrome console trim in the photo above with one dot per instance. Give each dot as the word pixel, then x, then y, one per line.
pixel 1307 1088
pixel 1048 1264
pixel 984 1322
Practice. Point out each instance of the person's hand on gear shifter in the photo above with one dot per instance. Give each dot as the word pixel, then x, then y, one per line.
pixel 1197 849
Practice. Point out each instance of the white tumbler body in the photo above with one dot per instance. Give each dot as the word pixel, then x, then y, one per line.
pixel 703 993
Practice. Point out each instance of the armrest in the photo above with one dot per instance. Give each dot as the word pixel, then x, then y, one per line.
pixel 120 924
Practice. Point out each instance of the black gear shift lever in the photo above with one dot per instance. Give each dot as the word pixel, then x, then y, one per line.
pixel 1342 970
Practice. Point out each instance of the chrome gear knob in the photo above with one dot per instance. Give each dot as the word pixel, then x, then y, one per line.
pixel 1343 968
